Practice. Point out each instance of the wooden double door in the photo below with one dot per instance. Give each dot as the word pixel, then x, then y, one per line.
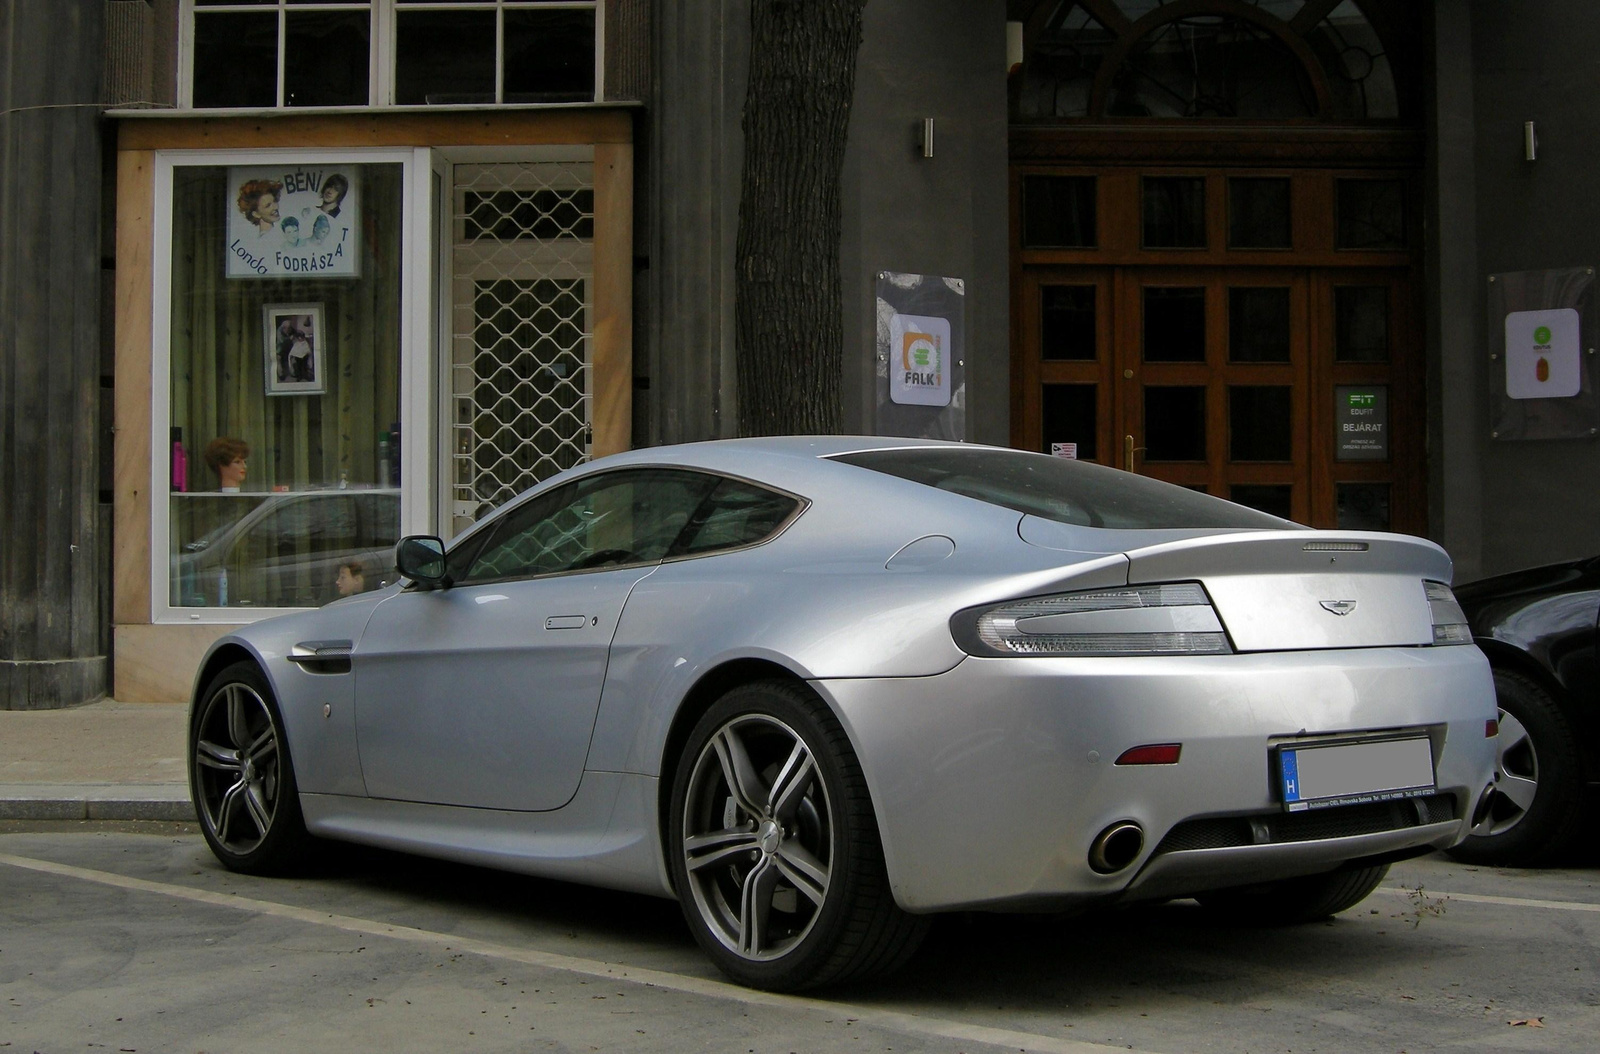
pixel 1294 390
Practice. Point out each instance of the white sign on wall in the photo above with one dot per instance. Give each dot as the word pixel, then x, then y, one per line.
pixel 294 221
pixel 919 366
pixel 1543 354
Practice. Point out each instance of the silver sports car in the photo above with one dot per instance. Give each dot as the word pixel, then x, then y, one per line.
pixel 818 689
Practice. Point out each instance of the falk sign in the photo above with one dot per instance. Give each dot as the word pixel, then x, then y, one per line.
pixel 919 372
pixel 294 221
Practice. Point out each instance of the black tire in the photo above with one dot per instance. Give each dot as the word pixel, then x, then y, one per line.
pixel 1537 814
pixel 1291 901
pixel 241 777
pixel 791 893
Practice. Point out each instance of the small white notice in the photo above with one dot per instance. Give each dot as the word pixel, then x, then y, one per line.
pixel 919 368
pixel 1067 450
pixel 1543 354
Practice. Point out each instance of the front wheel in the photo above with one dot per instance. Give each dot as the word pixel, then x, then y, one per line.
pixel 1291 901
pixel 774 851
pixel 240 776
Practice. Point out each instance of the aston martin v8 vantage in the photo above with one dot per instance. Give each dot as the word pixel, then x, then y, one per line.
pixel 819 689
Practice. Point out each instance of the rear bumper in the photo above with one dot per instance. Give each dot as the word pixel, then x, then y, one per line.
pixel 991 781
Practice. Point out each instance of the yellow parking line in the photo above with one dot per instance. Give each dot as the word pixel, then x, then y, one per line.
pixel 892 1020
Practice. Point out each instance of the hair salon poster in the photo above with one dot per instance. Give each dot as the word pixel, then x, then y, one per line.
pixel 294 221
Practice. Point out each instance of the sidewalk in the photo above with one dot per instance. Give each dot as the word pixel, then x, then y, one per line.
pixel 104 761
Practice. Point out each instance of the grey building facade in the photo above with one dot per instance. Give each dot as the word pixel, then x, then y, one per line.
pixel 1186 266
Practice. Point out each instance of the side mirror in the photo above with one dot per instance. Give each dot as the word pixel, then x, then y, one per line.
pixel 420 557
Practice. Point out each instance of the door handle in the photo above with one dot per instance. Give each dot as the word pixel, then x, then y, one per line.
pixel 1127 453
pixel 566 621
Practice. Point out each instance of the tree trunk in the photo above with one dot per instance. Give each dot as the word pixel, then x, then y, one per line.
pixel 787 304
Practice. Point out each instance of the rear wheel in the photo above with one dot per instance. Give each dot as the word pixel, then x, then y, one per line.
pixel 1536 813
pixel 1291 901
pixel 774 846
pixel 240 776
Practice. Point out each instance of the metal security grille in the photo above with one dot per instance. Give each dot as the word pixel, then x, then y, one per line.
pixel 520 384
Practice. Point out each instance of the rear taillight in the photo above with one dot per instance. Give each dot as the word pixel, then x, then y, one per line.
pixel 1171 619
pixel 1449 621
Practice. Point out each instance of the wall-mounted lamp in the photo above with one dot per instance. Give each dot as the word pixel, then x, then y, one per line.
pixel 927 137
pixel 1530 142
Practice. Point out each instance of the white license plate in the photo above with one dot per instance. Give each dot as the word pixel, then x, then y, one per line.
pixel 1348 773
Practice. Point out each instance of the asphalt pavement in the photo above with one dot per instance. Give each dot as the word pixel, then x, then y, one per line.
pixel 104 761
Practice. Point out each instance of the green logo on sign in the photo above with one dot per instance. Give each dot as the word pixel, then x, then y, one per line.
pixel 1362 398
pixel 920 355
pixel 1541 335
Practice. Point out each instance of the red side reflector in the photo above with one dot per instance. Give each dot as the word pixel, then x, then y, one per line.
pixel 1491 728
pixel 1153 754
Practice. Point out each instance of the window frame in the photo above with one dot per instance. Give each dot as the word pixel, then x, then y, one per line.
pixel 381 57
pixel 485 531
pixel 415 355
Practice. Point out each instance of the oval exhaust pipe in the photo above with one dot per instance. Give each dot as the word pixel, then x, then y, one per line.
pixel 1116 847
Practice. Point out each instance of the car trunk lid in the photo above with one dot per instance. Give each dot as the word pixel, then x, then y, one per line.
pixel 1306 590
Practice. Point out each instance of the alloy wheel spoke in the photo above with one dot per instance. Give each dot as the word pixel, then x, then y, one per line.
pixel 230 798
pixel 1519 790
pixel 264 746
pixel 1512 735
pixel 215 756
pixel 703 850
pixel 791 783
pixel 739 772
pixel 256 803
pixel 755 904
pixel 238 729
pixel 808 874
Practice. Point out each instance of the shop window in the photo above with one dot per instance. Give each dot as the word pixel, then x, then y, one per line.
pixel 1259 423
pixel 272 53
pixel 1070 417
pixel 1175 423
pixel 283 382
pixel 1361 323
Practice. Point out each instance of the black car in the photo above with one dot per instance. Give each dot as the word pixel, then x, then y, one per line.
pixel 1540 629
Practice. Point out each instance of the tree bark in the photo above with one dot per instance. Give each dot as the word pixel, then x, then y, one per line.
pixel 787 304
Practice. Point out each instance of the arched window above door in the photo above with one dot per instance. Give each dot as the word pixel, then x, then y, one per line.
pixel 1282 60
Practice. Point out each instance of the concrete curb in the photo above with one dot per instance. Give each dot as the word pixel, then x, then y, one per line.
pixel 95 801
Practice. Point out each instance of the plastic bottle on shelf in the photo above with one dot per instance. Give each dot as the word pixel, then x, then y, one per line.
pixel 383 459
pixel 344 479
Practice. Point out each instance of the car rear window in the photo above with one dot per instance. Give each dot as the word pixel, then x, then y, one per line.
pixel 1060 489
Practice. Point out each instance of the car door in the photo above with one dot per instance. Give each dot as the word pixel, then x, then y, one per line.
pixel 484 693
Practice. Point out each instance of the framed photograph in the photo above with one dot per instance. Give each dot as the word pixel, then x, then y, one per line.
pixel 292 342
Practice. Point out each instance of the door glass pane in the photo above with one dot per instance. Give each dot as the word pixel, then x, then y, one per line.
pixel 236 59
pixel 1274 499
pixel 1371 214
pixel 325 58
pixel 1258 214
pixel 1058 212
pixel 1361 323
pixel 1175 213
pixel 1259 423
pixel 444 57
pixel 1066 322
pixel 1175 424
pixel 1258 325
pixel 1363 506
pixel 1174 324
pixel 549 56
pixel 1069 417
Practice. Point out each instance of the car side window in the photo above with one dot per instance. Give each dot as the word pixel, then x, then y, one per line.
pixel 735 514
pixel 607 520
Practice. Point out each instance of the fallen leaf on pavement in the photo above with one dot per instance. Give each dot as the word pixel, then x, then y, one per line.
pixel 1531 1022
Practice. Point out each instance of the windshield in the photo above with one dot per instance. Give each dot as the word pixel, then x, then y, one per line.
pixel 1063 490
